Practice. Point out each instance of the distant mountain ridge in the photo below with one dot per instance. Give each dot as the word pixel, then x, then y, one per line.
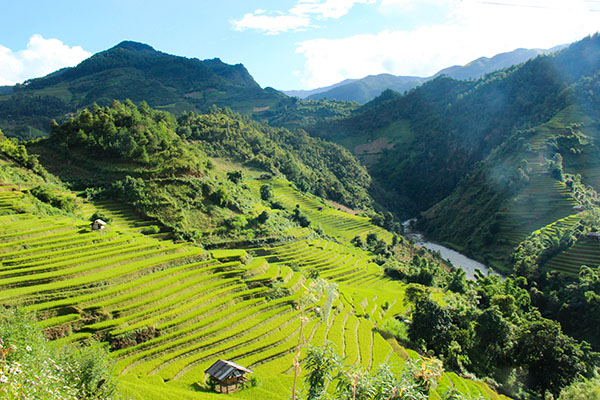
pixel 366 89
pixel 303 94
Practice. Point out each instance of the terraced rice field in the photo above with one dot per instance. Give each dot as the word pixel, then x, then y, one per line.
pixel 170 310
pixel 333 222
pixel 584 252
pixel 543 202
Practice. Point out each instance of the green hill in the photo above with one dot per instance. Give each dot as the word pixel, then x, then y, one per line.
pixel 133 71
pixel 168 310
pixel 438 132
pixel 137 72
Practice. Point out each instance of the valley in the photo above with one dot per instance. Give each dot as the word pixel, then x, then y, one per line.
pixel 168 212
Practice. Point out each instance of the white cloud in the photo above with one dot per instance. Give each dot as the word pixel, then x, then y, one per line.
pixel 297 18
pixel 271 24
pixel 471 29
pixel 403 6
pixel 41 57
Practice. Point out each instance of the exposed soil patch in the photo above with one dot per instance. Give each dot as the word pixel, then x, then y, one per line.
pixel 374 147
pixel 343 207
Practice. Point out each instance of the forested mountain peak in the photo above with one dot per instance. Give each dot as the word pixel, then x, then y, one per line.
pixel 135 46
pixel 136 71
pixel 183 74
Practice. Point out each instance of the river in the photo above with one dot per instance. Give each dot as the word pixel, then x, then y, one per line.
pixel 457 259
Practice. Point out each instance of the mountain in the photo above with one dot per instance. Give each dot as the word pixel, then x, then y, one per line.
pixel 478 68
pixel 422 147
pixel 305 93
pixel 366 89
pixel 133 71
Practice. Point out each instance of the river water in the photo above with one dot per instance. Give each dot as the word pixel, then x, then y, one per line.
pixel 457 259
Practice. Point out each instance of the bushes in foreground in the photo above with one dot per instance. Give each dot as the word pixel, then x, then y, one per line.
pixel 30 368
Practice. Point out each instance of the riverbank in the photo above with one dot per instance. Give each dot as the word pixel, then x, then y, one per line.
pixel 456 258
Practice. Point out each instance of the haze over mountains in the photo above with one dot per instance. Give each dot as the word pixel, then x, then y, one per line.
pixel 366 89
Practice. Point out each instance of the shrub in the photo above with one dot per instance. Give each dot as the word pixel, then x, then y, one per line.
pixel 89 370
pixel 266 192
pixel 150 230
pixel 46 195
pixel 29 369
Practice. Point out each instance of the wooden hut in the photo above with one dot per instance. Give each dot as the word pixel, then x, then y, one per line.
pixel 227 376
pixel 98 225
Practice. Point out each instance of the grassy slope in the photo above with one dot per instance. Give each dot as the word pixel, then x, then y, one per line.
pixel 120 282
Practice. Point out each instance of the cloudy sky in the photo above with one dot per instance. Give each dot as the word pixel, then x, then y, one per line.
pixel 289 44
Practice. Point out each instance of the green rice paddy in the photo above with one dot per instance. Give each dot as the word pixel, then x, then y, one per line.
pixel 170 310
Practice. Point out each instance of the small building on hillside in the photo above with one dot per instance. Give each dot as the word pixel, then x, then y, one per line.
pixel 227 376
pixel 593 236
pixel 578 208
pixel 264 177
pixel 98 225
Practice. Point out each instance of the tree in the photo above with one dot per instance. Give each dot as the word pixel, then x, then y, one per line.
pixel 235 176
pixel 493 340
pixel 266 192
pixel 431 325
pixel 553 360
pixel 262 217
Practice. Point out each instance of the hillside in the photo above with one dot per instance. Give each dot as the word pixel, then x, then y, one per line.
pixel 366 89
pixel 165 167
pixel 167 310
pixel 436 133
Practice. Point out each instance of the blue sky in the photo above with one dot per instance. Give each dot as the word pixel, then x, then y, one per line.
pixel 289 44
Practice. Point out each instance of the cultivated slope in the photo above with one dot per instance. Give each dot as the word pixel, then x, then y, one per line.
pixel 169 310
